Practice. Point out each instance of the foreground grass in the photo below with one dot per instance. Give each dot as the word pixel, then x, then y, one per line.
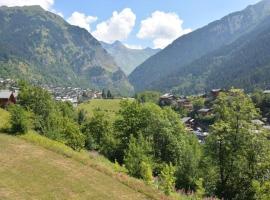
pixel 109 106
pixel 34 167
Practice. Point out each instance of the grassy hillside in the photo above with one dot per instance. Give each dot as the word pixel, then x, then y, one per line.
pixel 4 117
pixel 29 171
pixel 109 106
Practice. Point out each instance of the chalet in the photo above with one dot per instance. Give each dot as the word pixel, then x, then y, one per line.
pixel 205 111
pixel 167 99
pixel 7 97
pixel 185 103
pixel 189 122
pixel 215 92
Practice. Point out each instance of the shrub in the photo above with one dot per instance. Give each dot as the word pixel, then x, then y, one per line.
pixel 20 120
pixel 73 137
pixel 167 179
pixel 146 173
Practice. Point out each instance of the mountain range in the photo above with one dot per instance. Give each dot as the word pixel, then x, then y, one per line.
pixel 40 46
pixel 126 58
pixel 232 51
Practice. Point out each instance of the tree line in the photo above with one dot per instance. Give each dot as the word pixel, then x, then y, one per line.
pixel 152 143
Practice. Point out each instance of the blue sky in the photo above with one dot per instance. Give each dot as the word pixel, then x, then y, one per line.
pixel 163 20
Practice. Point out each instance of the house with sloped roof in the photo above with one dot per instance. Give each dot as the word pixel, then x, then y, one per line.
pixel 7 97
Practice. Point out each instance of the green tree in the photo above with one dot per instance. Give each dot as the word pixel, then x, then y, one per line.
pixel 146 172
pixel 82 116
pixel 200 191
pixel 40 103
pixel 20 120
pixel 234 148
pixel 262 190
pixel 109 95
pixel 148 97
pixel 95 129
pixel 72 135
pixel 165 134
pixel 139 150
pixel 167 179
pixel 104 96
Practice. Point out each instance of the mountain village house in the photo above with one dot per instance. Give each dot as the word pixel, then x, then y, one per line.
pixel 7 97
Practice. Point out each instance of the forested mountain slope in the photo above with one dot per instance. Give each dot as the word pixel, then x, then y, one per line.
pixel 41 46
pixel 188 48
pixel 243 64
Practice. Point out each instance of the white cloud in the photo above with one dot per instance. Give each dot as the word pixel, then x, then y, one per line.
pixel 46 4
pixel 81 20
pixel 57 12
pixel 132 46
pixel 163 28
pixel 118 27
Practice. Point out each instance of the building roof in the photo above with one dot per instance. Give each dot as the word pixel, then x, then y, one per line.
pixel 216 90
pixel 5 94
pixel 204 110
pixel 167 95
pixel 186 119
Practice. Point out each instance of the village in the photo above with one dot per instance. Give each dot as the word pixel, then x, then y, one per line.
pixel 9 91
pixel 199 117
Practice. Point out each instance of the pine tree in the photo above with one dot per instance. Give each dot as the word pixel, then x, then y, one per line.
pixel 104 96
pixel 109 95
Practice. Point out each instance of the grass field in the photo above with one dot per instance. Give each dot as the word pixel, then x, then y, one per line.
pixel 109 106
pixel 29 171
pixel 4 118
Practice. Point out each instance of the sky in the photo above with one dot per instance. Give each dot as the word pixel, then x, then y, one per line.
pixel 138 23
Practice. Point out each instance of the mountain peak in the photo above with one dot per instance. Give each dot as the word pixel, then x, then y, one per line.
pixel 118 44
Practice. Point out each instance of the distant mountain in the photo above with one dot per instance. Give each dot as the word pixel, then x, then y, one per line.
pixel 170 67
pixel 245 63
pixel 40 46
pixel 128 59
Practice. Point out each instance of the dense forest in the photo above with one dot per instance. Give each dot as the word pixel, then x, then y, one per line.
pixel 151 142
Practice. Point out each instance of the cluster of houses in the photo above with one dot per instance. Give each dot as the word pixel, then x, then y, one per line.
pixel 193 124
pixel 186 103
pixel 73 95
pixel 9 92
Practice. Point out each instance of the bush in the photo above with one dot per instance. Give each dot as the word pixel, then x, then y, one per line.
pixel 20 120
pixel 73 137
pixel 146 173
pixel 167 179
